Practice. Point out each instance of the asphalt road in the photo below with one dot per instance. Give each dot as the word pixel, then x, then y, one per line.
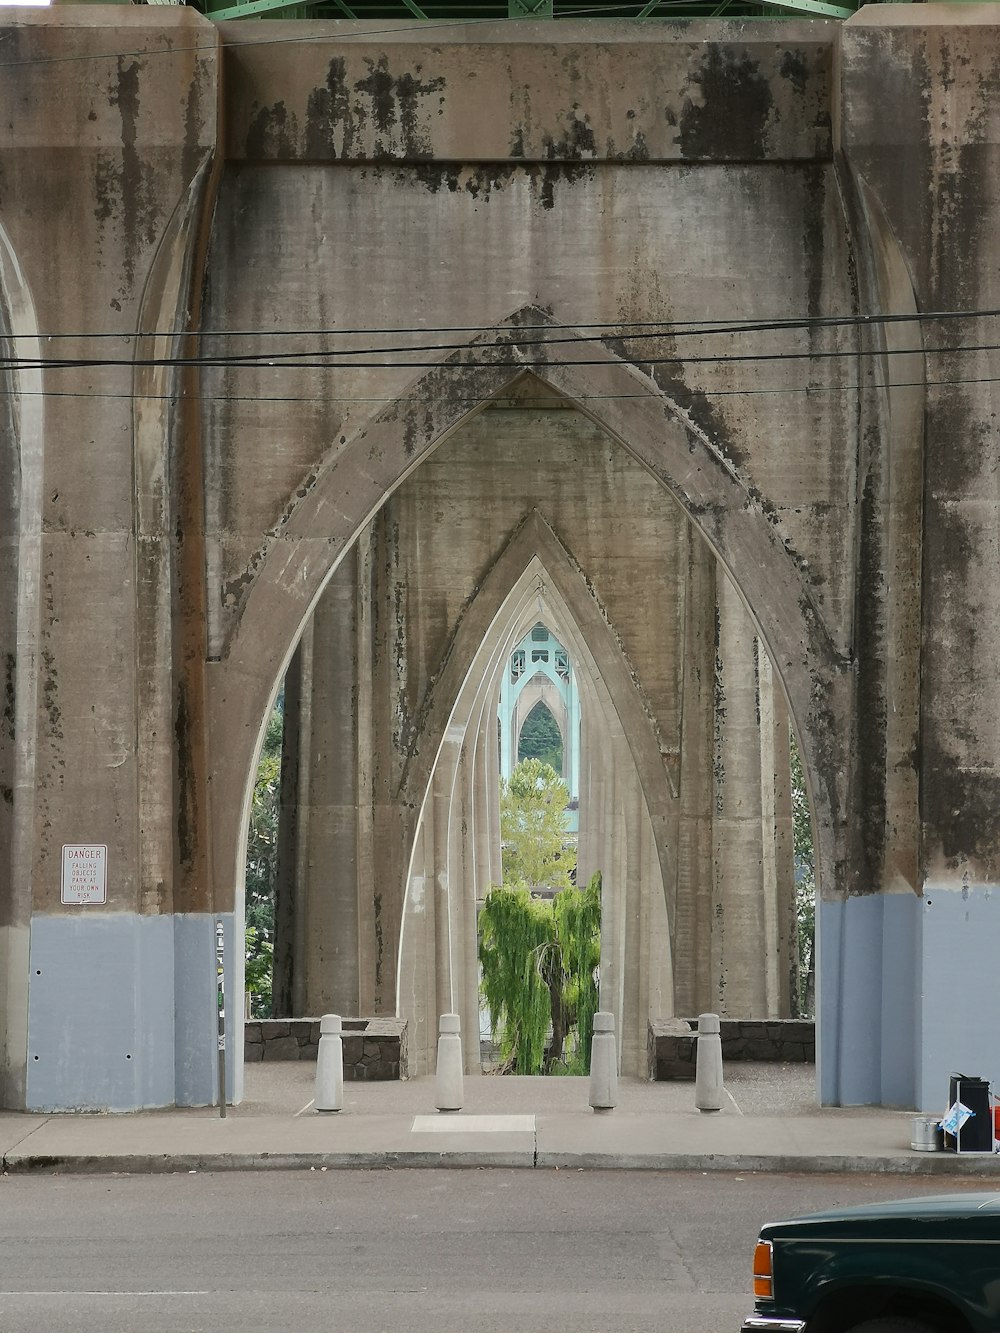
pixel 407 1251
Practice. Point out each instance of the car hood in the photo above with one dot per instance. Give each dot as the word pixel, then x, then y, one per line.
pixel 942 1206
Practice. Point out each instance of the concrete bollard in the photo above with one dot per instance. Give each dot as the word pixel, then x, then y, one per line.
pixel 708 1064
pixel 330 1065
pixel 448 1094
pixel 603 1063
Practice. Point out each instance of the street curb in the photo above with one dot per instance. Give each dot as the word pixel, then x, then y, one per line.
pixel 920 1164
pixel 167 1163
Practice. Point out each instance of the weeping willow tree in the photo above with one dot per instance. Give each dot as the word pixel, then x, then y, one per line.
pixel 540 959
pixel 577 914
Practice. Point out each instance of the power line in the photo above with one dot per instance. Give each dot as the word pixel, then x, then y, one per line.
pixel 667 328
pixel 276 361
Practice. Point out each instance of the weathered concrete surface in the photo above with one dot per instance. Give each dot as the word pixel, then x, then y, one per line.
pixel 528 481
pixel 100 209
pixel 168 531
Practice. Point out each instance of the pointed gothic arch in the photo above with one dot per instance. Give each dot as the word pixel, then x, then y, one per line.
pixel 590 635
pixel 323 518
pixel 432 907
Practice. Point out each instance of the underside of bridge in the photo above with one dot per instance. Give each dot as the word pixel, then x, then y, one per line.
pixel 341 355
pixel 532 512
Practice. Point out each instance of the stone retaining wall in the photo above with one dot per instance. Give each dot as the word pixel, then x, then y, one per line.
pixel 374 1048
pixel 670 1046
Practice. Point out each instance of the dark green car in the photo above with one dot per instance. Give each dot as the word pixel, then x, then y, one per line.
pixel 913 1266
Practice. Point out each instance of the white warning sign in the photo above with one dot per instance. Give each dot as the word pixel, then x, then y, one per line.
pixel 84 873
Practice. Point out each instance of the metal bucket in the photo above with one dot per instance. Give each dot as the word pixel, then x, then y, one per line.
pixel 927 1135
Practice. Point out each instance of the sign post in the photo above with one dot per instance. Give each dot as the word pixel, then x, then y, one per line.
pixel 220 984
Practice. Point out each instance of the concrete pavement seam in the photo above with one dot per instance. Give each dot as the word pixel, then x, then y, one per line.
pixel 34 1130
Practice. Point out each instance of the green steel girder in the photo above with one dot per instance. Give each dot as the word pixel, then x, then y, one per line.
pixel 818 7
pixel 529 9
pixel 253 8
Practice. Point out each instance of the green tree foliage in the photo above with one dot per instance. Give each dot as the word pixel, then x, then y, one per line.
pixel 537 852
pixel 539 960
pixel 540 738
pixel 515 932
pixel 805 876
pixel 577 915
pixel 262 856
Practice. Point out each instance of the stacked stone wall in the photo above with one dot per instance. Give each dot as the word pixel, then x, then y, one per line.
pixel 671 1046
pixel 374 1048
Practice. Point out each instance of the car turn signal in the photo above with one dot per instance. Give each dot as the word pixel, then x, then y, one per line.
pixel 763 1281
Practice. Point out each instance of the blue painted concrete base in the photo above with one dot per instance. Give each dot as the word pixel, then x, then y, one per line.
pixel 122 1012
pixel 907 995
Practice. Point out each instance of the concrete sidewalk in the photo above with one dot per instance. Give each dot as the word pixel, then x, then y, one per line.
pixel 770 1123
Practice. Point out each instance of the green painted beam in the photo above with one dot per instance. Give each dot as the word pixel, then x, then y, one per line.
pixel 530 9
pixel 817 7
pixel 535 9
pixel 253 8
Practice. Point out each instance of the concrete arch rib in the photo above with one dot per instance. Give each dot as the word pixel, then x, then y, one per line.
pixel 356 477
pixel 21 624
pixel 579 621
pixel 437 924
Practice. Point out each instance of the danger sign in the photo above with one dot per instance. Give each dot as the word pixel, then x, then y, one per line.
pixel 84 873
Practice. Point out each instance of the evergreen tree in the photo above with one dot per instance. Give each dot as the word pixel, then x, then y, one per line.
pixel 540 738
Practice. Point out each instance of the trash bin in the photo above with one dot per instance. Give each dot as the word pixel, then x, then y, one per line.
pixel 926 1134
pixel 976 1135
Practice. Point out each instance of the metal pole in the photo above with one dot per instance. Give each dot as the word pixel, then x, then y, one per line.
pixel 220 984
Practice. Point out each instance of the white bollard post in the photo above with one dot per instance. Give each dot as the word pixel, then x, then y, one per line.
pixel 708 1064
pixel 448 1093
pixel 330 1065
pixel 603 1063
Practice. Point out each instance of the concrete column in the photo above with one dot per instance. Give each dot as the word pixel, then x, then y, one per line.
pixel 658 988
pixel 367 935
pixel 464 932
pixel 443 789
pixel 776 844
pixel 102 641
pixel 295 770
pixel 593 779
pixel 635 978
pixel 317 944
pixel 492 794
pixel 417 993
pixel 693 908
pixel 739 938
pixel 20 517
